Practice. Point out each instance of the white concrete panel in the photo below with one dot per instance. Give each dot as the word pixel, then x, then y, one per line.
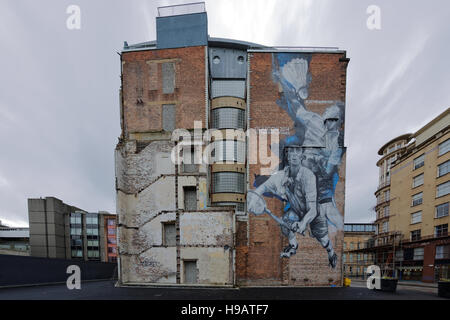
pixel 206 228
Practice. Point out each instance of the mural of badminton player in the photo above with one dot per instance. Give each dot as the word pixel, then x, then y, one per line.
pixel 295 185
pixel 321 142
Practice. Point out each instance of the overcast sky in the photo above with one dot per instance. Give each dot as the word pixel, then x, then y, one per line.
pixel 59 88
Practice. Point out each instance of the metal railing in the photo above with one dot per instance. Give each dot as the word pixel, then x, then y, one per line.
pixel 180 9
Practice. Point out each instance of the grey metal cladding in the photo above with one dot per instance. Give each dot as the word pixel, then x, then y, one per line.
pixel 168 77
pixel 228 63
pixel 228 118
pixel 168 115
pixel 231 182
pixel 182 31
pixel 228 88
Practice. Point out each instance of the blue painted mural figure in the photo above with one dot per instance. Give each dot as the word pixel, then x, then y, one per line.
pixel 309 161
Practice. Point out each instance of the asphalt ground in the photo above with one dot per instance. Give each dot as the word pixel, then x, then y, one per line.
pixel 106 290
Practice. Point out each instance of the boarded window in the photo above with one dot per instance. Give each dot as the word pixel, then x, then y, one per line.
pixel 190 198
pixel 170 233
pixel 190 272
pixel 168 77
pixel 168 115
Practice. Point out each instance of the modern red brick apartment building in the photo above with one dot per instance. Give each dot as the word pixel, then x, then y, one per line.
pixel 230 169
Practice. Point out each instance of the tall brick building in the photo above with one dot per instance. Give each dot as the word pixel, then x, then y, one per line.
pixel 230 169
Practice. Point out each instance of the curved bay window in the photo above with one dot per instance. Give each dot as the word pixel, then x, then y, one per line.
pixel 229 150
pixel 228 182
pixel 228 118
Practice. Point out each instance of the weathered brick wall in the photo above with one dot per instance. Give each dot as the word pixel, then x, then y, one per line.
pixel 259 262
pixel 143 96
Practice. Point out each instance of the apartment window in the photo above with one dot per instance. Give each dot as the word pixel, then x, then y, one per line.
pixel 418 254
pixel 415 235
pixel 417 199
pixel 386 226
pixel 418 180
pixel 386 211
pixel 444 168
pixel 345 245
pixel 416 217
pixel 111 232
pixel 444 147
pixel 344 258
pixel 93 254
pixel 111 222
pixel 441 230
pixel 443 189
pixel 92 243
pixel 75 231
pixel 442 210
pixel 91 219
pixel 190 198
pixel 419 162
pixel 351 257
pixel 168 77
pixel 112 241
pixel 351 245
pixel 443 252
pixel 387 195
pixel 92 231
pixel 169 234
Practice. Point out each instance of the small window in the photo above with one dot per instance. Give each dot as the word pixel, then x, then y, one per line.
pixel 443 189
pixel 169 234
pixel 444 147
pixel 444 168
pixel 419 162
pixel 417 199
pixel 416 217
pixel 441 230
pixel 415 235
pixel 442 210
pixel 418 181
pixel 387 195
